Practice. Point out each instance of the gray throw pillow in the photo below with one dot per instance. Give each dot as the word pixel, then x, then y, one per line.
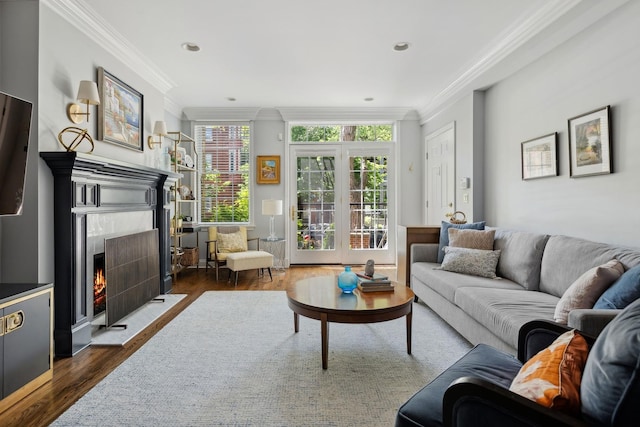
pixel 475 262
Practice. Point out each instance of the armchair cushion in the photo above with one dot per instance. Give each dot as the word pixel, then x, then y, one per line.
pixel 552 377
pixel 232 242
pixel 610 389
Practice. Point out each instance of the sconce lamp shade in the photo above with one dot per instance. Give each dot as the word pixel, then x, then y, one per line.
pixel 88 92
pixel 272 207
pixel 160 127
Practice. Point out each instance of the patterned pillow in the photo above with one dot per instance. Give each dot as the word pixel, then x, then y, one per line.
pixel 232 242
pixel 587 288
pixel 472 239
pixel 476 262
pixel 552 377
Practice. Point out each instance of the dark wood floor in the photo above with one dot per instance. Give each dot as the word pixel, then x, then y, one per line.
pixel 75 376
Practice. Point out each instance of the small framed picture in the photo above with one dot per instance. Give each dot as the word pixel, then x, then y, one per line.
pixel 119 112
pixel 540 157
pixel 268 169
pixel 590 143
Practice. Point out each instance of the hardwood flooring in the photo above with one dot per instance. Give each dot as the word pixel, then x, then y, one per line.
pixel 75 376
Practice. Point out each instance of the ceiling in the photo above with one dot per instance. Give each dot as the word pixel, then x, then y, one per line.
pixel 330 53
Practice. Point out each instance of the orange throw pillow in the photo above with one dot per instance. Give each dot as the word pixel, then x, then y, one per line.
pixel 552 377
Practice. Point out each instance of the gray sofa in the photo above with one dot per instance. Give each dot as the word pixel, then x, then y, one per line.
pixel 534 271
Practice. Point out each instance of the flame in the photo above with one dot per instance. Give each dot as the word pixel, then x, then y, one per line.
pixel 99 283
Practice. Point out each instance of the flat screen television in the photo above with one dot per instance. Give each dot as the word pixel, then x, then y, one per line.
pixel 15 125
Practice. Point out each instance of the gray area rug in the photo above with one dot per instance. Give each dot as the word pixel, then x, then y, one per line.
pixel 232 359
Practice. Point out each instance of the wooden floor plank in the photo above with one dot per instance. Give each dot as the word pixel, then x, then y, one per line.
pixel 75 376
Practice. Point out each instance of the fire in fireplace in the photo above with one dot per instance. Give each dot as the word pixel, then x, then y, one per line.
pixel 99 285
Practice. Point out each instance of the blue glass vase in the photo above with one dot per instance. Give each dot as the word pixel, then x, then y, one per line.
pixel 347 280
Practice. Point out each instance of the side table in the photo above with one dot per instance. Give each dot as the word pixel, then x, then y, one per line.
pixel 276 248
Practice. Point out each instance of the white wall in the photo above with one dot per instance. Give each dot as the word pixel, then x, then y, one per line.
pixel 598 67
pixel 409 199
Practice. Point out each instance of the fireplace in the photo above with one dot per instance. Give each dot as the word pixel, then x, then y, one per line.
pixel 99 285
pixel 91 195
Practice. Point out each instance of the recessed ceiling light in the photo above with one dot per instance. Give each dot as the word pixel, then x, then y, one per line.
pixel 399 47
pixel 369 99
pixel 231 98
pixel 191 47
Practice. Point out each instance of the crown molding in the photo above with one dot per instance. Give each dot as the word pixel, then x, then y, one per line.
pixel 82 17
pixel 221 113
pixel 342 113
pixel 512 39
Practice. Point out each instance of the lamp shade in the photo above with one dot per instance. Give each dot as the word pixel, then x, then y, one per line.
pixel 160 127
pixel 271 207
pixel 88 92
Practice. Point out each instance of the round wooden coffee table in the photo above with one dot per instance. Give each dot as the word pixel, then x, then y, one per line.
pixel 320 298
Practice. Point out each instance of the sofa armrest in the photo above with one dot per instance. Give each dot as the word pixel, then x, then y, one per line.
pixel 591 321
pixel 424 252
pixel 475 401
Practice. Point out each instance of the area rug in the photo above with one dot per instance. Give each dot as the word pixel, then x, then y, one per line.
pixel 232 359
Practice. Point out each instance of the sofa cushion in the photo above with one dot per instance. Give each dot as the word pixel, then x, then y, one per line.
pixel 472 239
pixel 552 377
pixel 623 292
pixel 444 234
pixel 585 291
pixel 425 407
pixel 610 389
pixel 504 311
pixel 476 262
pixel 520 257
pixel 446 283
pixel 567 258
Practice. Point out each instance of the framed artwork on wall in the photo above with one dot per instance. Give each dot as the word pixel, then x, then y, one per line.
pixel 119 112
pixel 590 143
pixel 268 169
pixel 540 157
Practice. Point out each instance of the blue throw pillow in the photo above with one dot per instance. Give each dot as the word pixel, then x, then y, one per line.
pixel 444 234
pixel 610 388
pixel 623 292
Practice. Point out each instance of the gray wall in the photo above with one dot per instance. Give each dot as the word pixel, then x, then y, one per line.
pixel 599 66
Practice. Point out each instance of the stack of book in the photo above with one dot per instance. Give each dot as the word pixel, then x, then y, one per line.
pixel 376 283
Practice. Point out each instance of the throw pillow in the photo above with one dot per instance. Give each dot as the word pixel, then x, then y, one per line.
pixel 587 288
pixel 475 262
pixel 552 377
pixel 472 239
pixel 444 234
pixel 623 292
pixel 232 242
pixel 611 379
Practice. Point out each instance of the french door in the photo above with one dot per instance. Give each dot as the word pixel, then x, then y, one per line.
pixel 341 207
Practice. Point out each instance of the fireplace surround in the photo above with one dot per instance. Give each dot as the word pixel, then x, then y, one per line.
pixel 88 187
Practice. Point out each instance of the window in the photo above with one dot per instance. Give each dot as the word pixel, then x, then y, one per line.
pixel 340 133
pixel 225 171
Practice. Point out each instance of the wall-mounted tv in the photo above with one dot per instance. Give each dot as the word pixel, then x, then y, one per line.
pixel 15 124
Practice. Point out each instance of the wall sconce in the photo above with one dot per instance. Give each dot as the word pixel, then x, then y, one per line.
pixel 272 207
pixel 87 93
pixel 160 129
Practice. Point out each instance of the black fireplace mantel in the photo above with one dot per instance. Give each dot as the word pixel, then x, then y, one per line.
pixel 87 184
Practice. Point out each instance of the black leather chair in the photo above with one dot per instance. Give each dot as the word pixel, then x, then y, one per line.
pixel 474 391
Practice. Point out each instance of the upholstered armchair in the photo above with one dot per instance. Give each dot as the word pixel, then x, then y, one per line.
pixel 224 240
pixel 476 390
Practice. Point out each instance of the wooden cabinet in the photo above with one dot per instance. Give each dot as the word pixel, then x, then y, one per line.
pixel 184 194
pixel 407 236
pixel 26 340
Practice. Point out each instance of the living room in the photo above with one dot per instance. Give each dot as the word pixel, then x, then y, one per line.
pixel 586 59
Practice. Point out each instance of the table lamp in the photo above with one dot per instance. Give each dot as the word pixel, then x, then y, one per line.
pixel 272 207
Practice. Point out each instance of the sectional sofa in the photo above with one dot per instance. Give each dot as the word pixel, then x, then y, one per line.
pixel 534 271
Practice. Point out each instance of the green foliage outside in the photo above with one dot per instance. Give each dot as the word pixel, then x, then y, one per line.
pixel 336 133
pixel 225 210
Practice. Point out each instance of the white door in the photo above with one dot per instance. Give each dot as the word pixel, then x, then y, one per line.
pixel 340 208
pixel 440 173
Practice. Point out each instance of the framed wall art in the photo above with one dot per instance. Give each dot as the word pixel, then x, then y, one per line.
pixel 119 112
pixel 540 157
pixel 590 143
pixel 268 169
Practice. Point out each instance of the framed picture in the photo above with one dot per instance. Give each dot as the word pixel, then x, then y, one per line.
pixel 590 143
pixel 540 157
pixel 268 169
pixel 119 112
